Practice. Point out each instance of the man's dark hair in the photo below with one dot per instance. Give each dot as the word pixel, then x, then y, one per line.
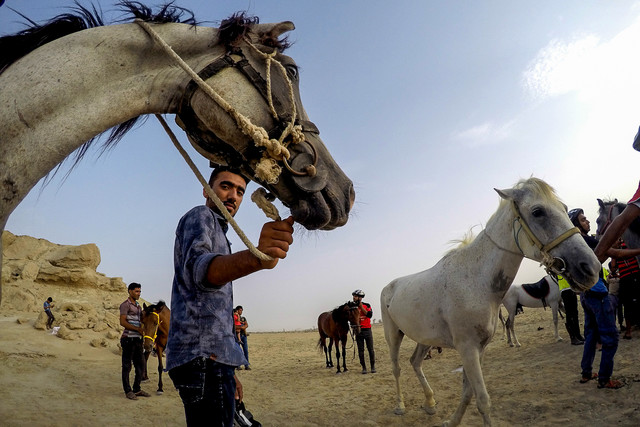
pixel 239 308
pixel 217 171
pixel 134 285
pixel 50 299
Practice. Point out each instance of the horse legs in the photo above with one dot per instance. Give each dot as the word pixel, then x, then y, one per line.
pixel 510 327
pixel 337 344
pixel 159 351
pixel 329 352
pixel 344 355
pixel 472 383
pixel 327 355
pixel 419 355
pixel 145 376
pixel 502 321
pixel 554 310
pixel 393 335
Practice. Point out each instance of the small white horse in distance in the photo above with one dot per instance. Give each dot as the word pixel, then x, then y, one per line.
pixel 455 303
pixel 541 294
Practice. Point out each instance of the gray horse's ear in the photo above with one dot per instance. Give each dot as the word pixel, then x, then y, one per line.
pixel 600 203
pixel 271 32
pixel 508 194
pixel 144 305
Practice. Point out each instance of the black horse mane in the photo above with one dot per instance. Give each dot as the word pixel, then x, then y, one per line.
pixel 337 314
pixel 635 224
pixel 15 46
pixel 155 307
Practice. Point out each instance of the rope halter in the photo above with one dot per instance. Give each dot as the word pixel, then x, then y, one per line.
pixel 553 264
pixel 267 169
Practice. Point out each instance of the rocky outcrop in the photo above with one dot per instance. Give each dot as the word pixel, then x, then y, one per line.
pixel 86 301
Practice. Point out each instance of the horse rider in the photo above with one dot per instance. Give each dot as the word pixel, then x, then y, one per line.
pixel 202 352
pixel 365 334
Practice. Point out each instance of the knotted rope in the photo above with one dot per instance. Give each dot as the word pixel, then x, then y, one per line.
pixel 216 200
pixel 267 169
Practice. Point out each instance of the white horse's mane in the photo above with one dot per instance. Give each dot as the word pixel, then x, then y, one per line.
pixel 537 185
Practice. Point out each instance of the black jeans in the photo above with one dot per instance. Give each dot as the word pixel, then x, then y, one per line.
pixel 207 390
pixel 365 335
pixel 132 351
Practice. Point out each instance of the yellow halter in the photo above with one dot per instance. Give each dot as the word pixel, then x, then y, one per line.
pixel 155 333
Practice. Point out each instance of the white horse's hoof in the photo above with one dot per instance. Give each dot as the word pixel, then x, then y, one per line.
pixel 431 410
pixel 518 345
pixel 399 411
pixel 559 339
pixel 510 344
pixel 159 393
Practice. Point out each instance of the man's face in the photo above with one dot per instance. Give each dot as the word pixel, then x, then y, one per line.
pixel 240 312
pixel 584 223
pixel 135 294
pixel 357 299
pixel 230 188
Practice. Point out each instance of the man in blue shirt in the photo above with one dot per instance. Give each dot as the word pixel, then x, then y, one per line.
pixel 599 315
pixel 202 352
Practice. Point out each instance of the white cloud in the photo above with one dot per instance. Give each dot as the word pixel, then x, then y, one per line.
pixel 487 133
pixel 594 69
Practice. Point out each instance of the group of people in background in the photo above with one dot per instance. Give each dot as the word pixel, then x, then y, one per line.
pixel 600 308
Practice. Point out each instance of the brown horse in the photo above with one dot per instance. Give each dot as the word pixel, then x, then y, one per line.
pixel 155 322
pixel 335 326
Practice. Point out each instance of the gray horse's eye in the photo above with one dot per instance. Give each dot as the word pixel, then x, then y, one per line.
pixel 292 71
pixel 537 212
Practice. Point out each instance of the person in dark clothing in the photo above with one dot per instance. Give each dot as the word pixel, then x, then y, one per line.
pixel 365 335
pixel 131 343
pixel 48 304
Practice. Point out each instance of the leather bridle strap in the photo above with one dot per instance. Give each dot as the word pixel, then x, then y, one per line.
pixel 543 248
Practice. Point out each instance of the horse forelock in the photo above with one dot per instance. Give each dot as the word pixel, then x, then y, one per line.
pixel 239 24
pixel 155 307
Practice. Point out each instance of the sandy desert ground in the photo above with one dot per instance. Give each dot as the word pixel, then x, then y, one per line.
pixel 45 380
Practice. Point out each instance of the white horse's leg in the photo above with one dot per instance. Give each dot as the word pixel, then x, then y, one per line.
pixel 512 318
pixel 504 326
pixel 473 374
pixel 417 358
pixel 508 327
pixel 394 337
pixel 467 394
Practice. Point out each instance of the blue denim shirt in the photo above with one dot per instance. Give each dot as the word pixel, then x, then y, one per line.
pixel 201 314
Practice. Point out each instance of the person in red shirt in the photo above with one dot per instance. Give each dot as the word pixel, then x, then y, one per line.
pixel 365 334
pixel 629 273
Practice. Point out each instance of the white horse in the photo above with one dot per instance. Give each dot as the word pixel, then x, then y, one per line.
pixel 67 81
pixel 517 294
pixel 455 303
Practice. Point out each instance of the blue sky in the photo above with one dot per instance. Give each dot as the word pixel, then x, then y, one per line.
pixel 426 105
